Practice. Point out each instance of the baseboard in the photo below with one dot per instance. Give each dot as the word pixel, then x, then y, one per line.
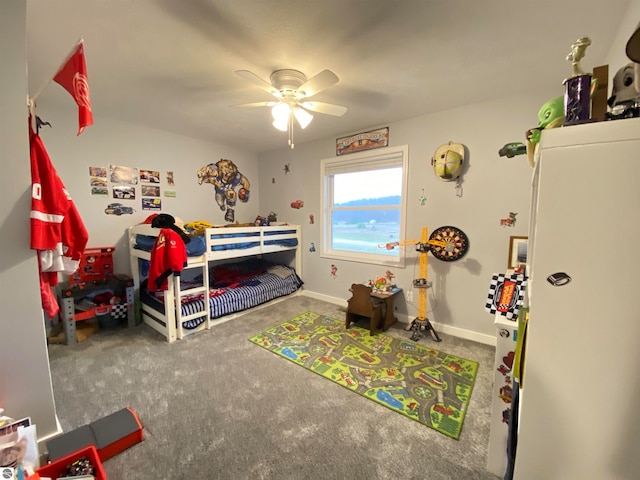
pixel 449 330
pixel 42 443
pixel 466 334
pixel 325 298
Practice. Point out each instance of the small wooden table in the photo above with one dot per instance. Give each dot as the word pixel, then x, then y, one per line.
pixel 388 297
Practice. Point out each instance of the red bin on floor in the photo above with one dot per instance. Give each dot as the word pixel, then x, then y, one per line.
pixel 58 468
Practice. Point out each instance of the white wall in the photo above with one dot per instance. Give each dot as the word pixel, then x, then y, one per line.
pixel 493 186
pixel 617 57
pixel 112 142
pixel 25 381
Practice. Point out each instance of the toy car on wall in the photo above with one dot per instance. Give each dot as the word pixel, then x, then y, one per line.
pixel 512 149
pixel 117 209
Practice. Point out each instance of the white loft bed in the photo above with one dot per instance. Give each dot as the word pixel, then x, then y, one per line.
pixel 227 249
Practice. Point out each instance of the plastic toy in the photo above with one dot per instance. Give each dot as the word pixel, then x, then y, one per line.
pixel 261 221
pixel 578 50
pixel 512 149
pixel 624 99
pixel 550 115
pixel 445 243
pixel 379 284
pixel 110 435
pixel 579 87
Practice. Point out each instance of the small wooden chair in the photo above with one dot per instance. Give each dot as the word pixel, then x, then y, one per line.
pixel 361 304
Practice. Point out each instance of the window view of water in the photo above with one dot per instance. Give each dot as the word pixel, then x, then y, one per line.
pixel 365 237
pixel 363 206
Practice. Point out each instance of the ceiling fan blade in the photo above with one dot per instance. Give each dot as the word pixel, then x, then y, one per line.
pixel 316 84
pixel 328 108
pixel 255 104
pixel 256 80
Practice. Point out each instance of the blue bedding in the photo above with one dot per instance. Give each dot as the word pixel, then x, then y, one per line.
pixel 197 246
pixel 257 281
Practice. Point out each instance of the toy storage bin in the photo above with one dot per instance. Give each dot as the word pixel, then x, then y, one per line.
pixel 58 468
pixel 95 264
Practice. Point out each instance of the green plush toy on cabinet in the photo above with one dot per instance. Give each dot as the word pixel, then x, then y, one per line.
pixel 550 115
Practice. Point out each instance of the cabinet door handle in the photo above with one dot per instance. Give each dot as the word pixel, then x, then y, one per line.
pixel 558 279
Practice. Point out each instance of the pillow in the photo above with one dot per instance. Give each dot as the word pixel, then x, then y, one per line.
pixel 280 270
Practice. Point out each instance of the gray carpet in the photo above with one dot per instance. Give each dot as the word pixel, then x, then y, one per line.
pixel 216 406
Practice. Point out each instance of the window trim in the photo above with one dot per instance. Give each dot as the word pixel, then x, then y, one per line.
pixel 359 161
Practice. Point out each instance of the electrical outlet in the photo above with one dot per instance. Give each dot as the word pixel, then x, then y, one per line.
pixel 409 296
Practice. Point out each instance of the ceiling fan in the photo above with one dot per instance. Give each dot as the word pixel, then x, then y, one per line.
pixel 291 88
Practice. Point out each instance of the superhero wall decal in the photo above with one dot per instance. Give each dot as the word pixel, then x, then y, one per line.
pixel 230 185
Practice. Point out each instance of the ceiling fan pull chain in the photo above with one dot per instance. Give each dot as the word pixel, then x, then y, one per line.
pixel 291 129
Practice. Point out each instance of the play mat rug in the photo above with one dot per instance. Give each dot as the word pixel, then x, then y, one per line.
pixel 419 382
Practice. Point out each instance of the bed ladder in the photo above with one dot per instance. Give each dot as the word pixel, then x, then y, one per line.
pixel 179 294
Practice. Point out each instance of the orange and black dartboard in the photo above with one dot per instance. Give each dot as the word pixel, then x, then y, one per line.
pixel 452 244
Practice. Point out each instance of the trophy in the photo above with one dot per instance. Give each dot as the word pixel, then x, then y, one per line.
pixel 577 97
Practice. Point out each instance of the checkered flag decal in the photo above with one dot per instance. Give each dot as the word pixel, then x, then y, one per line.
pixel 507 305
pixel 119 311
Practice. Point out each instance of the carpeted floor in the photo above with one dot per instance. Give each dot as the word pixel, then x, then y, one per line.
pixel 214 406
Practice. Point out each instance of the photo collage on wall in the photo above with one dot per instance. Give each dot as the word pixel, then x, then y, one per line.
pixel 120 184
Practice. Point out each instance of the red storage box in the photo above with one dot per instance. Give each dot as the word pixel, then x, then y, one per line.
pixel 96 264
pixel 117 432
pixel 58 468
pixel 109 435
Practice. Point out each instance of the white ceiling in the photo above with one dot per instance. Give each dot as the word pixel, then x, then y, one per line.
pixel 170 63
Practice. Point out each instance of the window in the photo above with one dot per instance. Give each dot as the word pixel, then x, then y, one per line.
pixel 363 206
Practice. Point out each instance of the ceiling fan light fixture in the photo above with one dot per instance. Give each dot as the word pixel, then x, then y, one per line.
pixel 282 125
pixel 281 110
pixel 304 118
pixel 281 114
pixel 291 89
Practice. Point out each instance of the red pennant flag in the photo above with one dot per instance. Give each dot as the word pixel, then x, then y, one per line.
pixel 73 78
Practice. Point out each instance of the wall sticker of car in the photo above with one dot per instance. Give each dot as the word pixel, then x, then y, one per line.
pixel 117 209
pixel 512 149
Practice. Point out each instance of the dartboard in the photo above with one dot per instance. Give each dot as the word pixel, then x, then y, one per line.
pixel 456 244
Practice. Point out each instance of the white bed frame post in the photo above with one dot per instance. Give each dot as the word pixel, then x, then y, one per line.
pixel 179 294
pixel 170 307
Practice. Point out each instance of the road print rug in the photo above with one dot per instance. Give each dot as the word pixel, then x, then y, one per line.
pixel 426 385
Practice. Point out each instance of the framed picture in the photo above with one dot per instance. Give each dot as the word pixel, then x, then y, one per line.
pixel 363 141
pixel 517 251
